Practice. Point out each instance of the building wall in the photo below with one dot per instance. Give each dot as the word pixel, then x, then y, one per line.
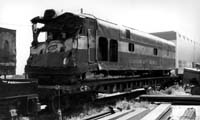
pixel 7 51
pixel 187 50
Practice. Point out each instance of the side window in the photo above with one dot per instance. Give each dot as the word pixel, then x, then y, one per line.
pixel 131 47
pixel 103 49
pixel 128 34
pixel 155 51
pixel 113 50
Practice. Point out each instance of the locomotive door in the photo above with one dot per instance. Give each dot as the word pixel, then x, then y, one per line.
pixel 91 40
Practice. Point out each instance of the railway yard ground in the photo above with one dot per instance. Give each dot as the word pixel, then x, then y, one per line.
pixel 171 103
pixel 137 108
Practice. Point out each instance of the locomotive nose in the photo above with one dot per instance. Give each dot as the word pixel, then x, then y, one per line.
pixel 50 60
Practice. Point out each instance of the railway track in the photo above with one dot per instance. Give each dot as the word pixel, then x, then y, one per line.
pixel 99 103
pixel 123 87
pixel 165 109
pixel 173 99
pixel 160 112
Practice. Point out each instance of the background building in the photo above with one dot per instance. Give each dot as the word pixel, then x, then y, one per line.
pixel 7 51
pixel 187 50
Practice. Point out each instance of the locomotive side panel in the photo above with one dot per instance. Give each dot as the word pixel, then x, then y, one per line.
pixel 136 50
pixel 107 41
pixel 7 51
pixel 145 52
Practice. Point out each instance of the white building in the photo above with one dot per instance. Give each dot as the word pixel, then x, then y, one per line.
pixel 187 50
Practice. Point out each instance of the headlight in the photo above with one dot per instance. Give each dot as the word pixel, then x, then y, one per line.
pixel 65 61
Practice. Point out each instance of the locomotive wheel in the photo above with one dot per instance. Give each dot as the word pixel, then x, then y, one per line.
pixel 63 102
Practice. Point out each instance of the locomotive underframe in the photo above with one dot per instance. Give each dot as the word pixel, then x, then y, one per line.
pixel 87 89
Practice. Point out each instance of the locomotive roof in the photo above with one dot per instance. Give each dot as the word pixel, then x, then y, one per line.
pixel 153 37
pixel 133 31
pixel 119 27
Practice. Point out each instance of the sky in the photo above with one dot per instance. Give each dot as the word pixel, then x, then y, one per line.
pixel 145 15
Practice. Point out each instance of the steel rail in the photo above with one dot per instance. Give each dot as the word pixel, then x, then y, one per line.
pixel 101 115
pixel 174 99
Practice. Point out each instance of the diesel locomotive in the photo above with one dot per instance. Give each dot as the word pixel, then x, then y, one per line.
pixel 80 46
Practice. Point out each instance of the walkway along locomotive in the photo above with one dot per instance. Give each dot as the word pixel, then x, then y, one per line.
pixel 80 47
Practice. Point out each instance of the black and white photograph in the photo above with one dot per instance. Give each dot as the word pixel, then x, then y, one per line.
pixel 99 60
